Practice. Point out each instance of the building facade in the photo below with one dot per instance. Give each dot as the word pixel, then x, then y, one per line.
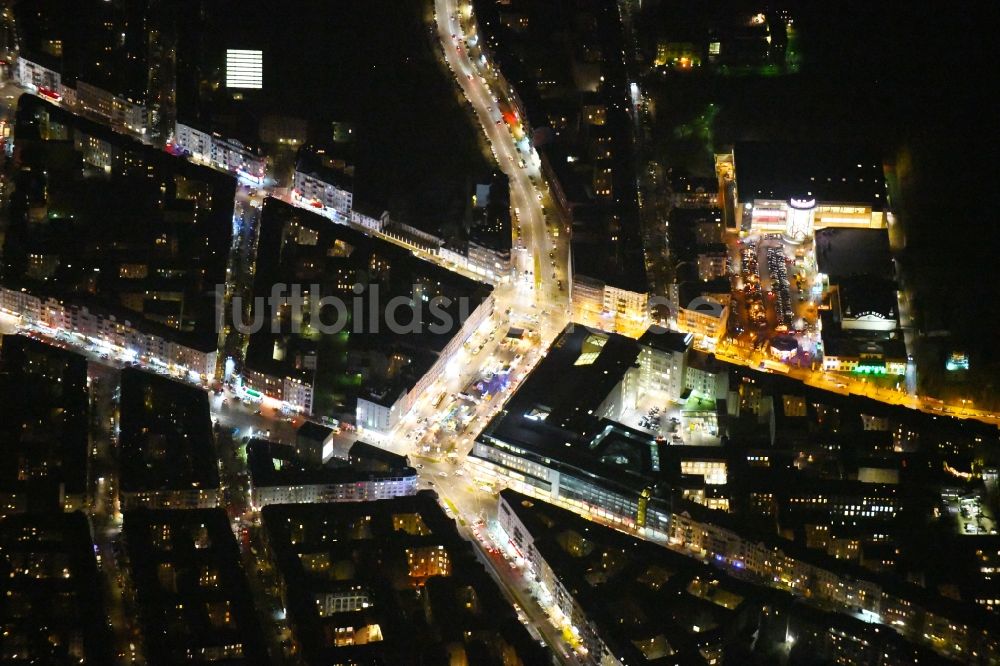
pixel 333 196
pixel 704 317
pixel 225 154
pixel 108 329
pixel 33 75
pixel 368 487
pixel 296 391
pixel 662 368
pixel 121 113
pixel 382 414
pixel 195 498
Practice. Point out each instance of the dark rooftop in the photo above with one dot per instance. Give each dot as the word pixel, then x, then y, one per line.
pixel 166 439
pixel 705 361
pixel 193 597
pixel 52 606
pixel 44 411
pixel 837 342
pixel 369 455
pixel 864 294
pixel 689 291
pixel 831 173
pixel 849 252
pixel 390 582
pixel 314 431
pixel 564 390
pixel 262 455
pixel 329 168
pixel 665 340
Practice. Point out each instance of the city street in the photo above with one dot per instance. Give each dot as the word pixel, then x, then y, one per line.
pixel 529 194
pixel 718 514
pixel 439 432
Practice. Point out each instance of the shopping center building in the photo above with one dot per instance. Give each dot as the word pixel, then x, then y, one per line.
pixel 563 436
pixel 795 188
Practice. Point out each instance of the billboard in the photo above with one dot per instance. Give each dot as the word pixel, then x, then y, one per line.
pixel 244 69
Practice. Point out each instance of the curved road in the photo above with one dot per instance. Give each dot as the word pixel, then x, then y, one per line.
pixel 527 200
pixel 537 294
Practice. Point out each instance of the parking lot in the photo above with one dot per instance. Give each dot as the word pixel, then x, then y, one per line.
pixel 676 423
pixel 972 515
pixel 775 294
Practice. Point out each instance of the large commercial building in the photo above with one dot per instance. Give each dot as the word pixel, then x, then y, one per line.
pixel 795 188
pixel 562 435
pixel 166 443
pixel 390 582
pixel 860 317
pixel 813 492
pixel 875 356
pixel 44 423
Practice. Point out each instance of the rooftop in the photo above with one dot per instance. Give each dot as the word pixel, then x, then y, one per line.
pixel 299 247
pixel 166 440
pixel 865 295
pixel 369 455
pixel 390 582
pixel 192 592
pixel 44 410
pixel 663 339
pixel 51 590
pixel 327 167
pixel 837 342
pixel 314 431
pixel 565 390
pixel 564 412
pixel 849 252
pixel 826 172
pixel 154 257
pixel 273 464
pixel 705 361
